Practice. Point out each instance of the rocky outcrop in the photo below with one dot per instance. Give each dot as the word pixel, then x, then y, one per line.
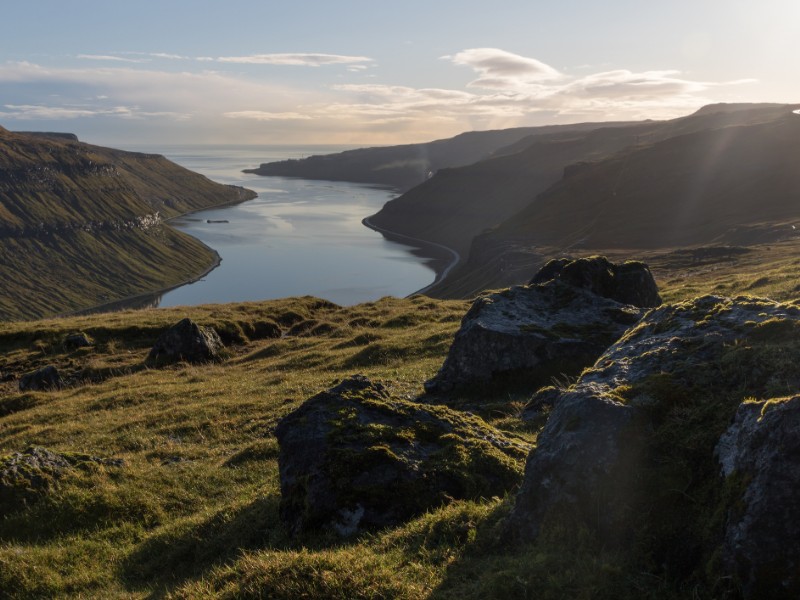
pixel 629 449
pixel 25 476
pixel 628 283
pixel 354 457
pixel 186 341
pixel 559 324
pixel 762 537
pixel 44 379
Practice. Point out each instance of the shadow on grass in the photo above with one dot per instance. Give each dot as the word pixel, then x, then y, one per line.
pixel 186 551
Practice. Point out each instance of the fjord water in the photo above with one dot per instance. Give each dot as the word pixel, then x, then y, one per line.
pixel 299 237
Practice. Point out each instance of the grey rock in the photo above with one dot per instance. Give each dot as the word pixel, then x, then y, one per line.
pixel 599 443
pixel 628 283
pixel 762 537
pixel 44 379
pixel 354 457
pixel 186 341
pixel 548 328
pixel 585 466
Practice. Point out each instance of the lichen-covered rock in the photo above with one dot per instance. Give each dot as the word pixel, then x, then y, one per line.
pixel 628 283
pixel 25 476
pixel 44 379
pixel 186 341
pixel 762 536
pixel 629 448
pixel 546 328
pixel 354 457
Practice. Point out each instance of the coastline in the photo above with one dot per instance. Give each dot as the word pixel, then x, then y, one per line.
pixel 441 265
pixel 145 299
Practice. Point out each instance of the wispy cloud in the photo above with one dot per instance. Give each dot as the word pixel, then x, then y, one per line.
pixel 261 115
pixel 499 69
pixel 31 112
pixel 299 59
pixel 226 103
pixel 110 57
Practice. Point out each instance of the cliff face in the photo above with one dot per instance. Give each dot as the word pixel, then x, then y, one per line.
pixel 82 225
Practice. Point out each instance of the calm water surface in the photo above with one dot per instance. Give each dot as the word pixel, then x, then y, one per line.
pixel 298 237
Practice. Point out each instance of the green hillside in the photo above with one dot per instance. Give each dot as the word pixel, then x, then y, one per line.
pixel 193 510
pixel 82 225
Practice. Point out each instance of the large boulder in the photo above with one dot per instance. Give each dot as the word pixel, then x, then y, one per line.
pixel 44 379
pixel 628 450
pixel 539 330
pixel 186 341
pixel 629 283
pixel 761 449
pixel 354 457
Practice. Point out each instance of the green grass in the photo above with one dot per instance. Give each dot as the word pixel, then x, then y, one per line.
pixel 194 511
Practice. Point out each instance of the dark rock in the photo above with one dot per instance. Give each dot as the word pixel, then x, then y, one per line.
pixel 186 341
pixel 27 475
pixel 354 457
pixel 628 449
pixel 585 463
pixel 77 340
pixel 762 537
pixel 628 283
pixel 543 330
pixel 44 379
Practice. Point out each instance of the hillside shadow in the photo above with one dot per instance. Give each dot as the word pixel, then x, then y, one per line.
pixel 183 553
pixel 170 558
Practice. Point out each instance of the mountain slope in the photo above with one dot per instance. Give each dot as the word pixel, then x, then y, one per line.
pixel 688 189
pixel 728 177
pixel 82 225
pixel 407 165
pixel 457 204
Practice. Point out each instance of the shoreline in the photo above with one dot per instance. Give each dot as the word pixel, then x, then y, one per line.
pixel 440 273
pixel 440 258
pixel 151 296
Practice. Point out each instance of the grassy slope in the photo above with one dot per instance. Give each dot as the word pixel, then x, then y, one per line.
pixel 69 236
pixel 194 513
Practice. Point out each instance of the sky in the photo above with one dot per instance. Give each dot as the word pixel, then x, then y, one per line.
pixel 374 72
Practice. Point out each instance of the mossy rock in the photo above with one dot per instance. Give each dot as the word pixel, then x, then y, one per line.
pixel 354 457
pixel 26 476
pixel 629 450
